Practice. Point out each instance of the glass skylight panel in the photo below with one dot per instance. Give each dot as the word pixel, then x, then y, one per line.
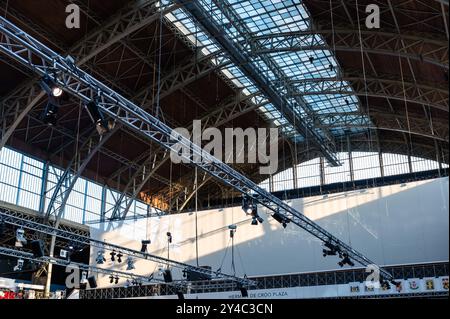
pixel 270 17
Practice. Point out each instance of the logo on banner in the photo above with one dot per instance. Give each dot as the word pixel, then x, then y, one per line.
pixel 354 289
pixel 445 283
pixel 413 285
pixel 429 284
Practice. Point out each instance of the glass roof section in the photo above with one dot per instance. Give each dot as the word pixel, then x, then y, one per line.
pixel 267 17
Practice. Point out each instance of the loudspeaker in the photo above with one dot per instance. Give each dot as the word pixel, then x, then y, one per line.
pixel 37 246
pixel 167 276
pixel 92 282
pixel 180 295
pixel 244 292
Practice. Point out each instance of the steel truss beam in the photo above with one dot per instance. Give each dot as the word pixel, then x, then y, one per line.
pixel 424 48
pixel 101 245
pixel 373 87
pixel 23 48
pixel 22 100
pixel 74 170
pixel 241 58
pixel 384 121
pixel 226 111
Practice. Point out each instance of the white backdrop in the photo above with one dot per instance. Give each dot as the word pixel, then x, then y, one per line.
pixel 391 225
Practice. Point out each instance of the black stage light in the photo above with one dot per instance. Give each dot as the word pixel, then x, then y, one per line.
pixel 281 219
pixel 254 221
pixel 92 282
pixel 97 117
pixel 345 260
pixel 311 59
pixel 244 292
pixel 169 237
pixel 116 280
pixel 347 102
pixel 111 279
pixel 167 275
pixel 180 295
pixel 144 245
pixel 119 257
pixel 50 87
pixel 49 116
pixel 246 205
pixel 113 254
pixel 37 246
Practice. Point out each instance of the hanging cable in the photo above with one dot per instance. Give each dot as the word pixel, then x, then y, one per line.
pixel 158 105
pixel 196 218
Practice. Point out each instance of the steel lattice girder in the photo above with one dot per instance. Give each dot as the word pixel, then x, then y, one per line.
pixel 23 48
pixel 10 219
pixel 408 92
pixel 421 48
pixel 228 110
pixel 385 121
pixel 250 69
pixel 19 103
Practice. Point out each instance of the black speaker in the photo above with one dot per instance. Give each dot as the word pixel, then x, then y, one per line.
pixel 167 276
pixel 92 282
pixel 244 292
pixel 192 275
pixel 37 246
pixel 180 295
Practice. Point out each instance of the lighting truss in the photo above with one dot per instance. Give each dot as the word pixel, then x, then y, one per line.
pixel 8 218
pixel 23 48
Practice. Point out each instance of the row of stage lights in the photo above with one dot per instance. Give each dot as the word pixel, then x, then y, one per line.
pixel 251 209
pixel 55 93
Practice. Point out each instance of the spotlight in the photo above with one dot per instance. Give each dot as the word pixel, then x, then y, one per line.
pixel 246 205
pixel 255 217
pixel 49 116
pixel 332 249
pixel 116 280
pixel 113 254
pixel 84 279
pixel 244 292
pixel 232 229
pixel 119 257
pixel 347 102
pixel 167 274
pixel 20 238
pixel 19 265
pixel 144 245
pixel 97 117
pixel 311 59
pixel 130 263
pixel 169 237
pixel 345 260
pixel 281 219
pixel 57 91
pixel 50 87
pixel 100 257
pixel 111 279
